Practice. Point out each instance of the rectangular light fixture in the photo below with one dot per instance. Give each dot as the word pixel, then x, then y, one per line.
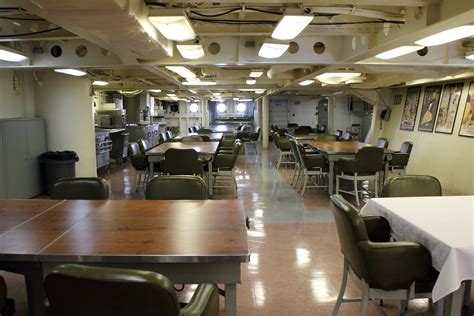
pixel 173 24
pixel 199 83
pixel 245 100
pixel 72 72
pixel 11 55
pixel 235 99
pixel 155 90
pixel 251 81
pixel 329 75
pixel 306 82
pixel 100 83
pixel 182 71
pixel 399 51
pixel 469 56
pixel 216 94
pixel 291 24
pixel 272 50
pixel 193 51
pixel 171 95
pixel 256 73
pixel 447 36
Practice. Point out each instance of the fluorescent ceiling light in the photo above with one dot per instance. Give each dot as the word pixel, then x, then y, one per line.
pixel 245 100
pixel 447 36
pixel 291 24
pixel 235 99
pixel 12 55
pixel 337 77
pixel 260 91
pixel 171 95
pixel 193 51
pixel 469 56
pixel 272 50
pixel 199 83
pixel 100 83
pixel 256 73
pixel 174 25
pixel 306 82
pixel 399 51
pixel 182 71
pixel 216 94
pixel 72 72
pixel 155 90
pixel 251 81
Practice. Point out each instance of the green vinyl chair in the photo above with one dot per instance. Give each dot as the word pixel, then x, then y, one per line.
pixel 181 162
pixel 379 268
pixel 139 162
pixel 191 139
pixel 77 290
pixel 400 158
pixel 382 143
pixel 412 185
pixel 178 187
pixel 7 305
pixel 81 188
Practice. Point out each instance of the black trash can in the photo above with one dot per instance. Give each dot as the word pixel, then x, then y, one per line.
pixel 57 165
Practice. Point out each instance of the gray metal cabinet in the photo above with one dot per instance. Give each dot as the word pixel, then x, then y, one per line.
pixel 23 142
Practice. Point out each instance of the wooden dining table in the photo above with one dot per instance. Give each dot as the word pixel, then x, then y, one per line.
pixel 334 150
pixel 223 128
pixel 188 241
pixel 205 150
pixel 300 137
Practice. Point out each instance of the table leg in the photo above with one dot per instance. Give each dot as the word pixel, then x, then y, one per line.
pixel 230 299
pixel 210 178
pixel 35 292
pixel 385 173
pixel 151 170
pixel 456 302
pixel 331 178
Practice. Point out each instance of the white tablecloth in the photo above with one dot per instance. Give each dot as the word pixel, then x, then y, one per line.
pixel 444 225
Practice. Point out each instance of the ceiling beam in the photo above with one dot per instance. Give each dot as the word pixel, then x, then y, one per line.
pixel 391 3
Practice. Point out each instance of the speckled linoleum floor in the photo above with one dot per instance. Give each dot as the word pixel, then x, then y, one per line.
pixel 295 264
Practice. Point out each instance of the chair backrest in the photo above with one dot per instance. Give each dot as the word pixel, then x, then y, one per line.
pixel 326 138
pixel 338 133
pixel 347 136
pixel 382 142
pixel 294 150
pixel 412 185
pixel 190 130
pixel 190 139
pixel 351 230
pixel 406 147
pixel 133 149
pixel 76 290
pixel 170 134
pixel 206 138
pixel 204 131
pixel 177 187
pixel 228 136
pixel 301 130
pixel 181 161
pixel 144 146
pixel 316 160
pixel 369 159
pixel 194 129
pixel 164 136
pixel 83 188
pixel 237 146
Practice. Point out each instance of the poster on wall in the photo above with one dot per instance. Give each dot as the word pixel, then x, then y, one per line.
pixel 410 109
pixel 429 107
pixel 467 123
pixel 448 107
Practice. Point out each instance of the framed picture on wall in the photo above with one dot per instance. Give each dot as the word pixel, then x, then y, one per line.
pixel 448 107
pixel 467 124
pixel 429 108
pixel 410 109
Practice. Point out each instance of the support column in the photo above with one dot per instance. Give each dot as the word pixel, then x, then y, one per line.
pixel 265 121
pixel 205 112
pixel 331 106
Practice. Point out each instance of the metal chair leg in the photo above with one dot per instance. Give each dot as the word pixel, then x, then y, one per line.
pixel 305 181
pixel 356 192
pixel 364 302
pixel 342 290
pixel 376 185
pixel 467 292
pixel 403 307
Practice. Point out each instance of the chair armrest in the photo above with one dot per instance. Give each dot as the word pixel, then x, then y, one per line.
pixel 284 144
pixel 395 265
pixel 345 164
pixel 205 301
pixel 378 228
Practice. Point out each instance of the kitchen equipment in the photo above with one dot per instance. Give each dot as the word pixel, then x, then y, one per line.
pixel 103 146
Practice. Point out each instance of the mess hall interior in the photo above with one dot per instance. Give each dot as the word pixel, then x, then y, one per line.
pixel 178 157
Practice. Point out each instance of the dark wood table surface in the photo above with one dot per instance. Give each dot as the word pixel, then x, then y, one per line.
pixel 189 241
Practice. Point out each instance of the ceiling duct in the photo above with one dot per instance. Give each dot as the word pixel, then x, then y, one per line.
pixel 119 26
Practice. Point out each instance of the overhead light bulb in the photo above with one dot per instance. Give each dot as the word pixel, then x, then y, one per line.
pixel 12 55
pixel 291 24
pixel 250 81
pixel 182 71
pixel 193 51
pixel 173 24
pixel 447 36
pixel 221 107
pixel 256 73
pixel 100 83
pixel 72 72
pixel 241 107
pixel 272 50
pixel 399 51
pixel 306 82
